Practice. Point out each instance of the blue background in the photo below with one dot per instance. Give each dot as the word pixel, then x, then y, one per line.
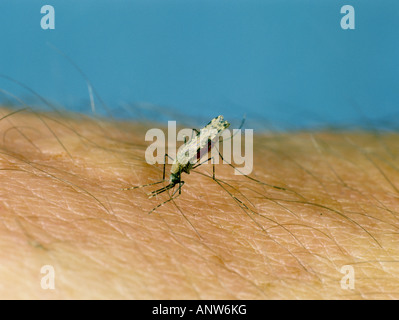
pixel 286 64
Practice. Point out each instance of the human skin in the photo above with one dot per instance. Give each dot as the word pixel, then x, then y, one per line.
pixel 314 203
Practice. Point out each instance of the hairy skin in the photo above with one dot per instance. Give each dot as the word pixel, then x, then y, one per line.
pixel 317 201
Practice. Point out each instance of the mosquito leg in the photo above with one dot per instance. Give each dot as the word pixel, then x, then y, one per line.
pixel 213 166
pixel 143 185
pixel 166 155
pixel 258 181
pixel 180 186
pixel 164 164
pixel 151 184
pixel 170 199
pixel 213 171
pixel 199 164
pixel 160 205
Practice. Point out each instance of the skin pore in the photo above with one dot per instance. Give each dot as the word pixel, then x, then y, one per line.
pixel 314 203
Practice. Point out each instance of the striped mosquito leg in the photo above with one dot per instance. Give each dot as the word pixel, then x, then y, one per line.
pixel 170 199
pixel 143 185
pixel 200 164
pixel 213 166
pixel 151 184
pixel 180 186
pixel 164 164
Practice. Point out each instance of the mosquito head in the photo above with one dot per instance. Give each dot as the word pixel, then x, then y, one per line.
pixel 175 177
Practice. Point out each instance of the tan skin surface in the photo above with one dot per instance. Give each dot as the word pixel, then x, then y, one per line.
pixel 320 201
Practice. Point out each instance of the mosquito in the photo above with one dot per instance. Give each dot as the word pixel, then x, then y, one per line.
pixel 188 158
